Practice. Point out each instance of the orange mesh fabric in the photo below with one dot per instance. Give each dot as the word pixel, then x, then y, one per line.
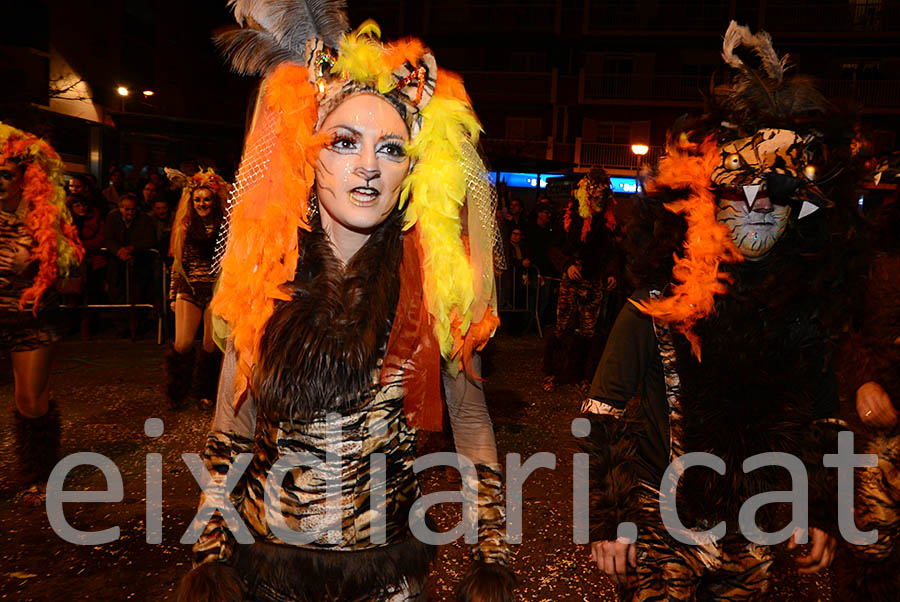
pixel 268 213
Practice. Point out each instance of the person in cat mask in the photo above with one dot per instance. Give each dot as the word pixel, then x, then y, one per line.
pixel 737 251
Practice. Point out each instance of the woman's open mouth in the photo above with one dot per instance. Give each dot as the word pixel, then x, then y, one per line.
pixel 364 196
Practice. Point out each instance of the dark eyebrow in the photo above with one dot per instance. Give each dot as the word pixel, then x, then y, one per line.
pixel 346 127
pixel 391 137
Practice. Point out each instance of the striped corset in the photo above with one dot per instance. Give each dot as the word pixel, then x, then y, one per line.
pixel 341 482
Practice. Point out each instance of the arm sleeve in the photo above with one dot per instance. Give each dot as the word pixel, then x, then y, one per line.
pixel 614 484
pixel 627 354
pixel 231 434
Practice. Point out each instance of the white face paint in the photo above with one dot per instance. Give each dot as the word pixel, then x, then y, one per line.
pixel 755 231
pixel 361 167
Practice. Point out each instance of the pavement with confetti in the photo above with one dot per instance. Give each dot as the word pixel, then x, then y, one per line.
pixel 107 389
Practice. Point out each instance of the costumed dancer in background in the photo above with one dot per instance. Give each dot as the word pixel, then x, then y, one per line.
pixel 195 231
pixel 590 260
pixel 756 202
pixel 360 251
pixel 38 244
pixel 872 367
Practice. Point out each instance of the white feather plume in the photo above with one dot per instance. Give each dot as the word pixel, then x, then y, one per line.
pixel 761 44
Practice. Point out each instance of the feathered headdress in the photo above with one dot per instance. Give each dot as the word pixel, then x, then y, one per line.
pixel 752 99
pixel 764 96
pixel 310 63
pixel 47 219
pixel 597 182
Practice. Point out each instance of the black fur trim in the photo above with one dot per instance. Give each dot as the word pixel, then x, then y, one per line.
pixel 320 348
pixel 206 381
pixel 179 371
pixel 614 485
pixel 765 377
pixel 487 582
pixel 871 354
pixel 312 575
pixel 211 582
pixel 870 582
pixel 823 482
pixel 37 444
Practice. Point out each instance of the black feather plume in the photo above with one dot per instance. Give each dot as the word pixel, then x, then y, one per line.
pixel 252 51
pixel 276 31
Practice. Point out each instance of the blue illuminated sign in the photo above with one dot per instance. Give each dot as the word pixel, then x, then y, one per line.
pixel 530 180
pixel 624 185
pixel 519 179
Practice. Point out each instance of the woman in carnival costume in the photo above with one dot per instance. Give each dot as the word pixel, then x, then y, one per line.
pixel 755 202
pixel 38 244
pixel 196 229
pixel 360 253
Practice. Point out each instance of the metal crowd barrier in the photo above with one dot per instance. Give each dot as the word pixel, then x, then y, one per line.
pixel 161 322
pixel 510 298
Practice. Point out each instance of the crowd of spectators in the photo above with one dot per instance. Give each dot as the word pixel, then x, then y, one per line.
pixel 530 242
pixel 125 228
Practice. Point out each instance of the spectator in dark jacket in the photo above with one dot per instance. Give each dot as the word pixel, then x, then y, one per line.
pixel 162 218
pixel 129 237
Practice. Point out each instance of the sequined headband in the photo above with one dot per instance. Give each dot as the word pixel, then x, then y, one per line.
pixel 408 87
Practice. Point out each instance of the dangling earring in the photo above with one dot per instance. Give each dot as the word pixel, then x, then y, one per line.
pixel 312 208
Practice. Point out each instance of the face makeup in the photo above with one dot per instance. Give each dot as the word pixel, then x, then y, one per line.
pixel 362 166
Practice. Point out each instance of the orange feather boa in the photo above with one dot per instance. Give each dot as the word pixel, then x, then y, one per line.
pixel 696 276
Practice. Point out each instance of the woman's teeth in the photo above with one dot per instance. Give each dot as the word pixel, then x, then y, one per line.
pixel 363 195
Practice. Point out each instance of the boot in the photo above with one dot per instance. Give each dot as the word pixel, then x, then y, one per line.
pixel 37 445
pixel 179 370
pixel 489 578
pixel 206 382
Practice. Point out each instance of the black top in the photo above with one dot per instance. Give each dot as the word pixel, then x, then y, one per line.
pixel 631 365
pixel 599 254
pixel 140 234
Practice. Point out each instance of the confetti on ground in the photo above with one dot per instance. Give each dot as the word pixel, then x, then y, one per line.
pixel 106 389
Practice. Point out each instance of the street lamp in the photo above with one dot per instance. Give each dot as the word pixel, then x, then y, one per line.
pixel 640 150
pixel 123 92
pixel 148 93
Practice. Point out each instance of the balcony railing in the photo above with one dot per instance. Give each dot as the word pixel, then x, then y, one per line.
pixel 598 87
pixel 513 86
pixel 870 94
pixel 632 15
pixel 508 147
pixel 617 156
pixel 832 17
pixel 445 17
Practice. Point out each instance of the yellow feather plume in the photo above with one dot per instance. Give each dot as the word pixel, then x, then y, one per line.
pixel 437 187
